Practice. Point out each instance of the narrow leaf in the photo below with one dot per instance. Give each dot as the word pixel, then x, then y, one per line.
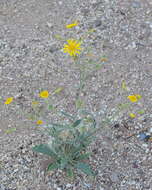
pixel 63 163
pixel 11 130
pixel 123 106
pixel 98 66
pixel 44 149
pixel 67 115
pixel 50 107
pixel 58 37
pixel 56 125
pixel 124 86
pixel 84 156
pixel 84 168
pixel 76 123
pixel 141 111
pixel 79 104
pixel 58 90
pixel 70 172
pixel 53 166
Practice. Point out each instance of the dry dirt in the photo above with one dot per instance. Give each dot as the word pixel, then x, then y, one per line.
pixel 31 60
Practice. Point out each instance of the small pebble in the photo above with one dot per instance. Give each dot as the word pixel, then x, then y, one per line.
pixel 68 185
pixel 135 165
pixel 142 136
pixel 60 3
pixel 150 130
pixel 97 23
pixel 145 145
pixel 114 177
pixel 136 4
pixel 49 24
pixel 116 125
pixel 87 185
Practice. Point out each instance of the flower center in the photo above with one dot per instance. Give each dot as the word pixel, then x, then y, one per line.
pixel 72 47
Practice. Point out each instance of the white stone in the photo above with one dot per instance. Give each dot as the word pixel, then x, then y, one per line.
pixel 145 145
pixel 68 185
pixel 150 130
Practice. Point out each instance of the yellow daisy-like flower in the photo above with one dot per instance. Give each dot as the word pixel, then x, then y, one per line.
pixel 39 122
pixel 72 25
pixel 9 100
pixel 44 94
pixel 72 48
pixel 132 115
pixel 134 97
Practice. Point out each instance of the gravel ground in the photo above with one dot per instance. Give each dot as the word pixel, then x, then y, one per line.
pixel 31 60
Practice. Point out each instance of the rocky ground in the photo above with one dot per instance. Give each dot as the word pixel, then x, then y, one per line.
pixel 31 60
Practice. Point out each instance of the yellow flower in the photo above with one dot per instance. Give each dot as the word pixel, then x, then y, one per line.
pixel 132 115
pixel 72 48
pixel 72 25
pixel 9 100
pixel 39 122
pixel 44 94
pixel 134 97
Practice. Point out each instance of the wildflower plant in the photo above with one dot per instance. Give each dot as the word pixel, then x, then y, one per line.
pixel 69 139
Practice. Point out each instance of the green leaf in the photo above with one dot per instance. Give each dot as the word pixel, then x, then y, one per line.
pixel 123 85
pixel 91 62
pixel 50 107
pixel 11 130
pixel 58 37
pixel 91 30
pixel 67 115
pixel 53 166
pixel 32 117
pixel 79 104
pixel 70 172
pixel 123 106
pixel 85 112
pixel 141 111
pixel 44 149
pixel 76 123
pixel 84 156
pixel 58 90
pixel 55 125
pixel 84 168
pixel 98 66
pixel 63 163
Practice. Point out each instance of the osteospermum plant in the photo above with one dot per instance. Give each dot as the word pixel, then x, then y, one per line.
pixel 69 138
